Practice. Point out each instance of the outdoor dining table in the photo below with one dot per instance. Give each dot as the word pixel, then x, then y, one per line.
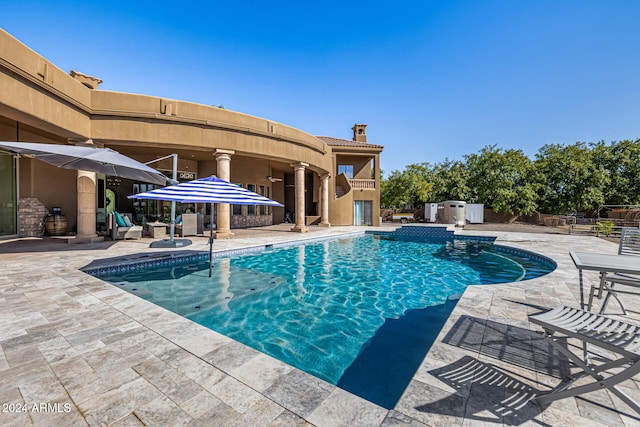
pixel 603 263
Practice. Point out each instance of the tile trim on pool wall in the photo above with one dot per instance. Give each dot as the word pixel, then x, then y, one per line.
pixel 133 265
pixel 536 256
pixel 175 258
pixel 429 232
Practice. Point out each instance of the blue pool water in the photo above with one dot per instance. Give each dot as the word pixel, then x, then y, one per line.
pixel 358 312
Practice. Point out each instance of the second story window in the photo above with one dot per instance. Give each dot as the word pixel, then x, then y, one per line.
pixel 346 169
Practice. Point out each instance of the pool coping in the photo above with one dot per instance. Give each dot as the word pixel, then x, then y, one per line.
pixel 173 258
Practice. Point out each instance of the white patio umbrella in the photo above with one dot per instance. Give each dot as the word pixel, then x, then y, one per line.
pixel 92 159
pixel 206 190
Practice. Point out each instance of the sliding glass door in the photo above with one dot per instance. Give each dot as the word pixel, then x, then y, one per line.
pixel 8 196
pixel 362 212
pixel 357 212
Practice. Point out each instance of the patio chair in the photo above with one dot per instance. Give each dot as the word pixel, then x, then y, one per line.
pixel 621 339
pixel 188 226
pixel 118 231
pixel 629 245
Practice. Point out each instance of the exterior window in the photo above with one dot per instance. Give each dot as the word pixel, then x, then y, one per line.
pixel 346 169
pixel 251 209
pixel 263 208
pixel 143 210
pixel 269 211
pixel 237 209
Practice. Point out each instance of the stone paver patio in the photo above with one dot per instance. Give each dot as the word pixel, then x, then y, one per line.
pixel 77 351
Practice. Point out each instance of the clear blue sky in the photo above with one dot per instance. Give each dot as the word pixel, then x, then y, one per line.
pixel 432 79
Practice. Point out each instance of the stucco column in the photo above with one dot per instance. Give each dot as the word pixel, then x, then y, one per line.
pixel 223 222
pixel 86 201
pixel 86 216
pixel 324 200
pixel 299 169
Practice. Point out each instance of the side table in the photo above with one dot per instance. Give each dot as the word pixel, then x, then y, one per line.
pixel 157 230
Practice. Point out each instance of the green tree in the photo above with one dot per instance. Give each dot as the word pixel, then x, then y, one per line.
pixel 393 192
pixel 413 186
pixel 502 180
pixel 621 160
pixel 450 181
pixel 570 180
pixel 420 180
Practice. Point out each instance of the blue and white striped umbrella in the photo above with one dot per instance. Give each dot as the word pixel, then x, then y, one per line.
pixel 207 190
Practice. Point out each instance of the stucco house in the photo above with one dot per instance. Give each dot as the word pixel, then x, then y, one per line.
pixel 320 180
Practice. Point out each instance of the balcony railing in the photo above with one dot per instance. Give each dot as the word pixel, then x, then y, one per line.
pixel 363 184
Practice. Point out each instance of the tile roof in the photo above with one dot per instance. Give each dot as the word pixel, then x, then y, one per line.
pixel 337 142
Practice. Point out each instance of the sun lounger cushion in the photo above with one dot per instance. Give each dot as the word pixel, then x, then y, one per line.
pixel 127 221
pixel 120 220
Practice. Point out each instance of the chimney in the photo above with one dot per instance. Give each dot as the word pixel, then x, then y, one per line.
pixel 360 133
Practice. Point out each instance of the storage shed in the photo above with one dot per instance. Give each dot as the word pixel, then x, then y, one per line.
pixel 452 212
pixel 474 213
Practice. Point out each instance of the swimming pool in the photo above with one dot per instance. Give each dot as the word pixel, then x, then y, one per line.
pixel 338 307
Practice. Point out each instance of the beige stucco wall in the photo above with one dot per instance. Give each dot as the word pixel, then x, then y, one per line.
pixel 41 103
pixel 341 209
pixel 37 93
pixel 365 164
pixel 126 119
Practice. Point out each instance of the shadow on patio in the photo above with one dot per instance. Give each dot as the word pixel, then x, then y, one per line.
pixel 49 244
pixel 492 394
pixel 498 393
pixel 508 343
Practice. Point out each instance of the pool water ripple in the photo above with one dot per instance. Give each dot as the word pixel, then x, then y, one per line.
pixel 318 306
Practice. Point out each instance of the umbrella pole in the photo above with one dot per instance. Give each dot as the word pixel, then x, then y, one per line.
pixel 172 224
pixel 174 175
pixel 211 240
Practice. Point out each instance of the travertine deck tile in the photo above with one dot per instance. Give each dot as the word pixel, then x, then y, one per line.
pixel 236 394
pixel 91 384
pixel 219 415
pixel 230 355
pixel 343 408
pixel 200 404
pixel 261 413
pixel 288 419
pixel 261 372
pixel 69 338
pixel 170 382
pixel 117 403
pixel 431 405
pixel 162 411
pixel 204 343
pixel 299 392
